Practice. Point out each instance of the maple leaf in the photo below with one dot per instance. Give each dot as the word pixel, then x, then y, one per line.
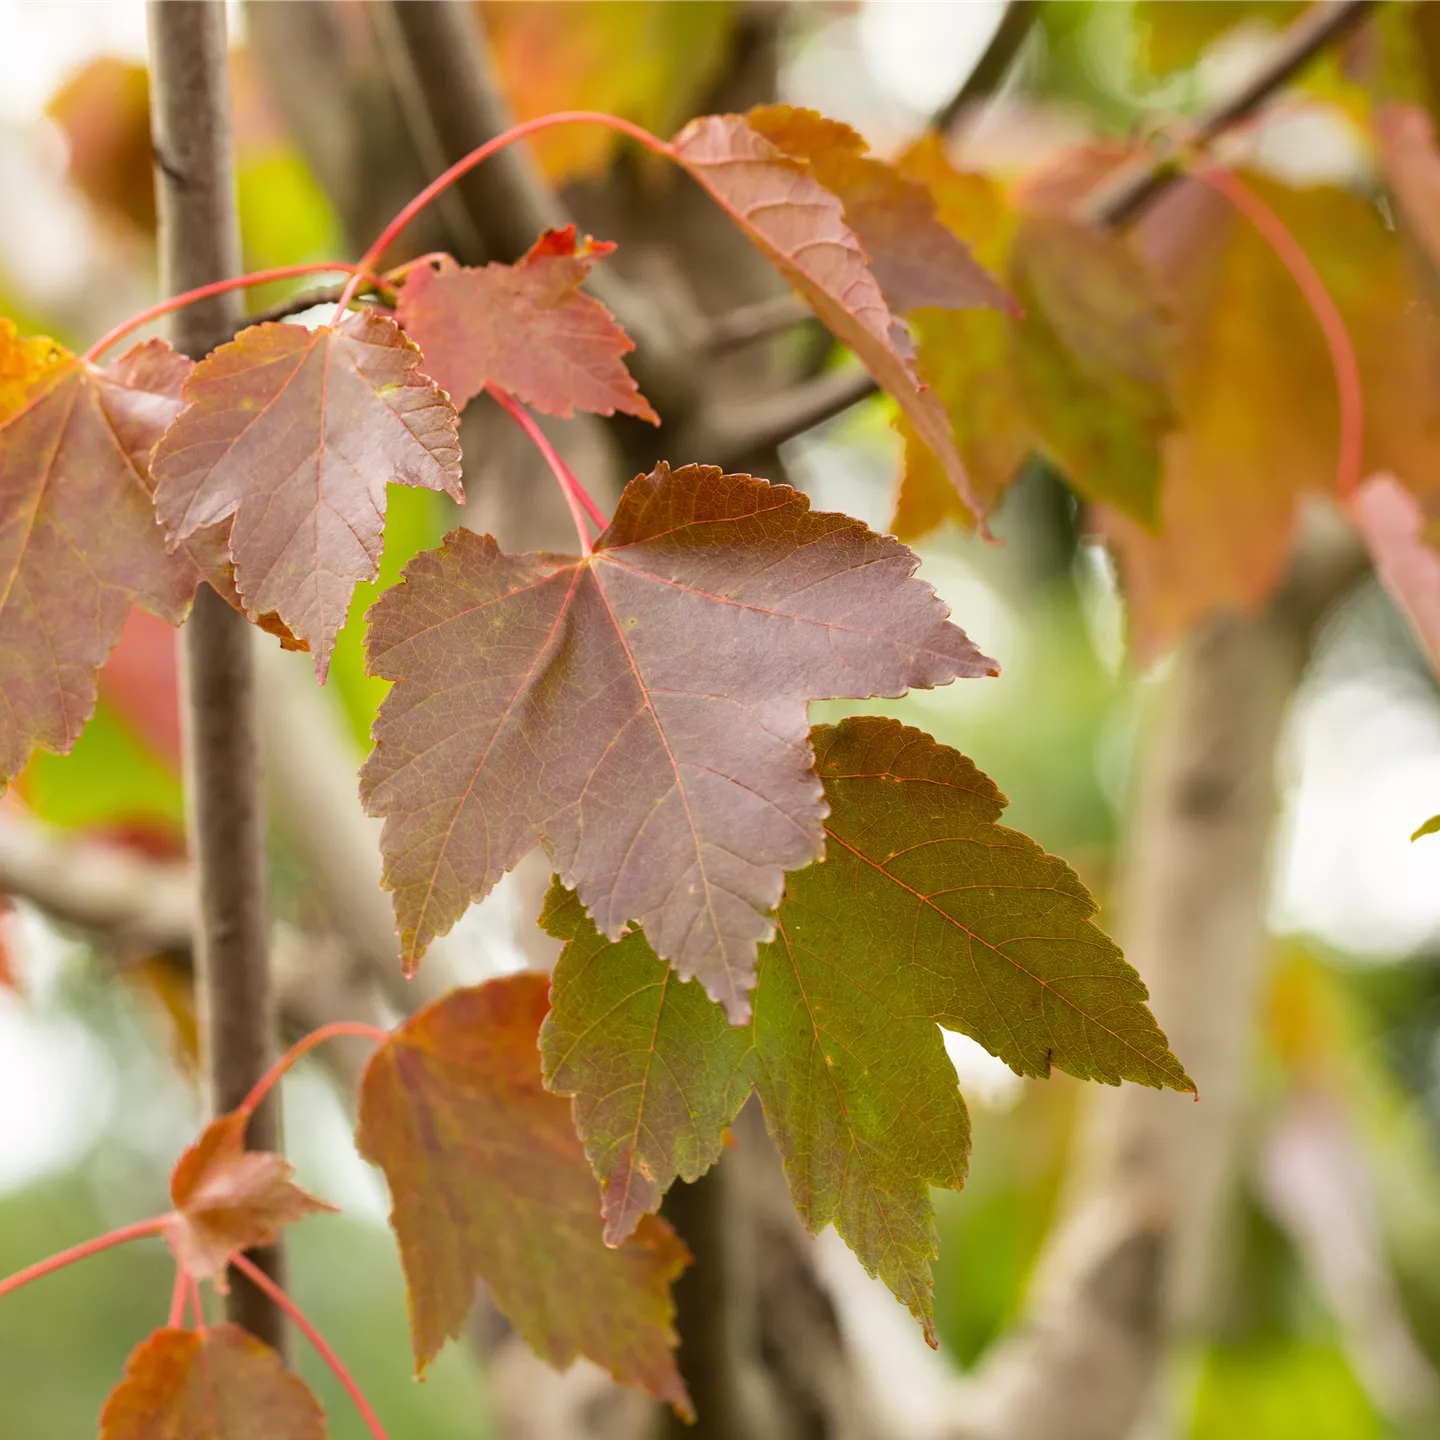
pixel 1250 365
pixel 917 260
pixel 296 433
pixel 965 357
pixel 1394 526
pixel 228 1198
pixel 488 1182
pixel 925 910
pixel 219 1383
pixel 641 711
pixel 78 539
pixel 799 226
pixel 1091 358
pixel 525 327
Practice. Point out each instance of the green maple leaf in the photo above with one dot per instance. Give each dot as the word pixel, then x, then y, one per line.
pixel 924 910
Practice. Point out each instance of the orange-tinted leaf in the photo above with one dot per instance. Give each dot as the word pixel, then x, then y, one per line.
pixel 799 226
pixel 642 712
pixel 296 433
pixel 1091 358
pixel 78 539
pixel 917 260
pixel 646 62
pixel 228 1198
pixel 525 327
pixel 1256 392
pixel 104 110
pixel 217 1384
pixel 1394 528
pixel 965 356
pixel 488 1182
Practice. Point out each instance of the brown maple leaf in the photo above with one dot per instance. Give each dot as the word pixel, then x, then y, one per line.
pixel 642 711
pixel 296 434
pixel 526 327
pixel 228 1198
pixel 489 1182
pixel 220 1383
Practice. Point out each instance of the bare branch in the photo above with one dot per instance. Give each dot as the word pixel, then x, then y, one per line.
pixel 993 66
pixel 200 243
pixel 1125 193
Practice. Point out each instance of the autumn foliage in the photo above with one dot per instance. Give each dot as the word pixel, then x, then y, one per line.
pixel 639 708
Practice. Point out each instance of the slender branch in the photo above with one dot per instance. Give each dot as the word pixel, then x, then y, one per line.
pixel 993 66
pixel 1127 191
pixel 199 244
pixel 278 1296
pixel 333 1030
pixel 154 1226
pixel 1116 201
pixel 1332 324
pixel 576 498
pixel 759 321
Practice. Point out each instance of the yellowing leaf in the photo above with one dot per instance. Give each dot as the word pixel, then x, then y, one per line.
pixel 799 226
pixel 924 910
pixel 296 433
pixel 525 327
pixel 1091 358
pixel 646 62
pixel 641 712
pixel 78 539
pixel 220 1383
pixel 228 1198
pixel 1256 393
pixel 489 1182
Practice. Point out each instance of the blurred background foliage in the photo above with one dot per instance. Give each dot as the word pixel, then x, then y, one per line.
pixel 93 1104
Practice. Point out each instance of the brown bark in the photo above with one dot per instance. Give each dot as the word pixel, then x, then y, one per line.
pixel 200 242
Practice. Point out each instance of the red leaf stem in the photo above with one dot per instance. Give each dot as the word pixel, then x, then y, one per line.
pixel 83 1251
pixel 266 1082
pixel 178 1296
pixel 260 1279
pixel 1292 256
pixel 481 153
pixel 574 492
pixel 220 287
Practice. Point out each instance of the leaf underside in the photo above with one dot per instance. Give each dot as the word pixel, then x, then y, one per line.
pixel 296 434
pixel 800 227
pixel 924 911
pixel 642 712
pixel 489 1182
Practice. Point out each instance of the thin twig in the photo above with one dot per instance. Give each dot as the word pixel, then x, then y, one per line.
pixel 1118 200
pixel 993 66
pixel 199 244
pixel 758 321
pixel 1126 191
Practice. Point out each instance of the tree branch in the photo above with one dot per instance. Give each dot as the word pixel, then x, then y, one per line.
pixel 1118 200
pixel 993 66
pixel 200 243
pixel 1127 191
pixel 1131 1263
